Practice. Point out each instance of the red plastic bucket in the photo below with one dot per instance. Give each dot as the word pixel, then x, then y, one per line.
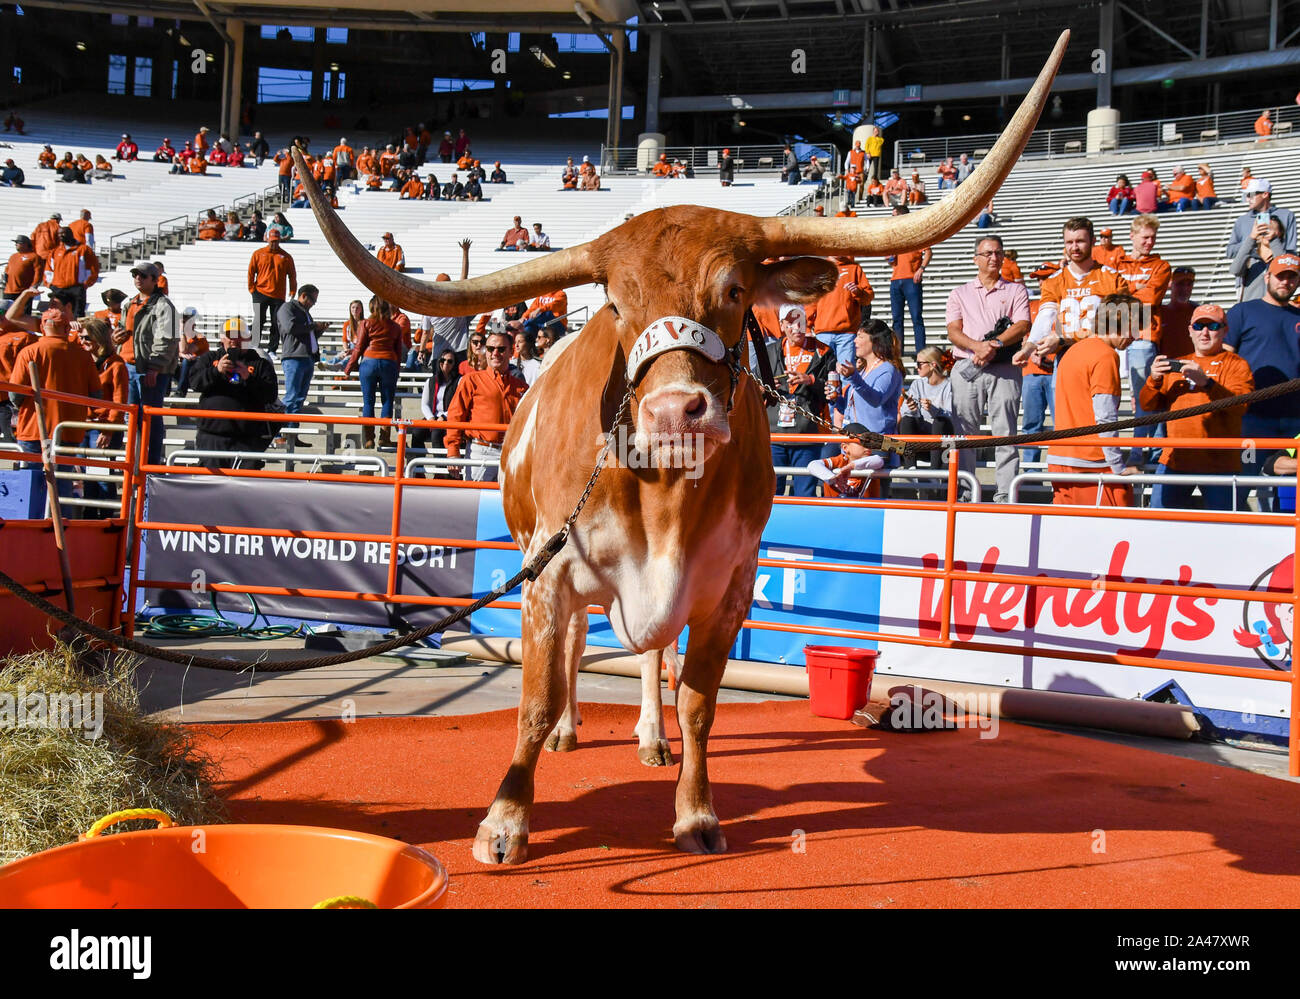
pixel 839 679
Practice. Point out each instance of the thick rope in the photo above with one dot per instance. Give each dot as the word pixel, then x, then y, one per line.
pixel 529 572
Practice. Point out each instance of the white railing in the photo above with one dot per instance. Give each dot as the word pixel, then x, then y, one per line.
pixel 1158 133
pixel 1258 482
pixel 768 158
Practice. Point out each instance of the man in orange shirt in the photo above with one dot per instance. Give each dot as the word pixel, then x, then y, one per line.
pixel 517 232
pixel 72 266
pixel 270 272
pixel 390 254
pixel 858 158
pixel 197 164
pixel 662 167
pixel 1182 192
pixel 1087 392
pixel 24 270
pixel 1105 252
pixel 905 285
pixel 835 317
pixel 1209 373
pixel 62 366
pixel 82 229
pixel 1011 269
pixel 413 189
pixel 1148 279
pixel 488 396
pixel 45 160
pixel 45 237
pixel 284 171
pixel 212 228
pixel 1264 125
pixel 201 143
pixel 387 160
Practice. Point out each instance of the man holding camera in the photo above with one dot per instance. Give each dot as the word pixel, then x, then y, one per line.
pixel 1207 374
pixel 987 317
pixel 1253 225
pixel 238 379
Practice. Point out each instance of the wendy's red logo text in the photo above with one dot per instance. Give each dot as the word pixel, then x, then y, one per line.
pixel 1005 607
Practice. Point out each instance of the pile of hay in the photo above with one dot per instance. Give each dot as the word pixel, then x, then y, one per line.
pixel 75 747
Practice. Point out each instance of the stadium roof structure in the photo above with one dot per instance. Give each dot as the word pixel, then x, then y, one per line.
pixel 403 15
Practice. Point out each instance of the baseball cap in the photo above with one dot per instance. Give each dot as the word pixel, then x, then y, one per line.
pixel 235 328
pixel 112 295
pixel 22 239
pixel 1104 232
pixel 793 310
pixel 1285 262
pixel 1183 270
pixel 1257 185
pixel 56 215
pixel 387 235
pixel 819 210
pixel 146 270
pixel 273 235
pixel 854 430
pixel 1211 312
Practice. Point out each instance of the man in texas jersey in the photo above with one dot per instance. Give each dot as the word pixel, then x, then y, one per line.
pixel 1070 296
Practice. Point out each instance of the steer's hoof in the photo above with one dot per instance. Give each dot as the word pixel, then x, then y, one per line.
pixel 700 837
pixel 491 846
pixel 657 754
pixel 562 742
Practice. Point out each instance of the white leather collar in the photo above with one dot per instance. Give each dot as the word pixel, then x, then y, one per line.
pixel 672 333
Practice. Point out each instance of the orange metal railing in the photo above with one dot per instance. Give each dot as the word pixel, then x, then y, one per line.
pixel 137 473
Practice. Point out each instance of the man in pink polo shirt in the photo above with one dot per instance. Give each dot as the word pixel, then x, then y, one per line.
pixel 987 317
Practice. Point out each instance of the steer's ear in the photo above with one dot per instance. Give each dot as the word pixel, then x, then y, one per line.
pixel 799 279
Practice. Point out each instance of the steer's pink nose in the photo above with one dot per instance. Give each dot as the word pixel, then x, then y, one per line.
pixel 670 410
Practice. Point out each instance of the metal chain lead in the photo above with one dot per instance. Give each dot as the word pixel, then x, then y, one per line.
pixel 600 462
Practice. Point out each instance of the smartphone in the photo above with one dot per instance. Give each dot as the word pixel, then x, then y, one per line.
pixel 1261 218
pixel 1176 366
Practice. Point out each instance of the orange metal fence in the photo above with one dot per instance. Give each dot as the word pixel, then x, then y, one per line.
pixel 137 473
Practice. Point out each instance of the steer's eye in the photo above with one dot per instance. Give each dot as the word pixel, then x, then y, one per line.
pixel 734 292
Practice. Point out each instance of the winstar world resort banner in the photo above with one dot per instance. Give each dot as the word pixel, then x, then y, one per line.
pixel 1091 619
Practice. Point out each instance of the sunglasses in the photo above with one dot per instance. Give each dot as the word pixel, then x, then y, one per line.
pixel 1207 325
pixel 498 350
pixel 447 360
pixel 476 343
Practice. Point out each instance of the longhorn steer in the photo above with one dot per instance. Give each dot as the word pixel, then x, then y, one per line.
pixel 658 548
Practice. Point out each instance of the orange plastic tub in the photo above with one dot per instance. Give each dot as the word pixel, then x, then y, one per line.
pixel 225 867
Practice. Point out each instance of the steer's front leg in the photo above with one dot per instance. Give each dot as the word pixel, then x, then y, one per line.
pixel 697 829
pixel 547 607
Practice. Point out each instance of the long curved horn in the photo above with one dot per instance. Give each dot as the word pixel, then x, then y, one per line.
pixel 794 236
pixel 560 269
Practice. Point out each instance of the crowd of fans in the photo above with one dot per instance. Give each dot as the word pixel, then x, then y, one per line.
pixel 1101 313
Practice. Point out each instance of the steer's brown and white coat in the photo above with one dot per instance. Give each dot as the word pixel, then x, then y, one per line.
pixel 657 549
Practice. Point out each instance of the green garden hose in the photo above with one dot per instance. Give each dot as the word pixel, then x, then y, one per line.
pixel 205 626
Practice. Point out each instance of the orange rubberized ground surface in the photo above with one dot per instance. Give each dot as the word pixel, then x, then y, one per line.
pixel 934 819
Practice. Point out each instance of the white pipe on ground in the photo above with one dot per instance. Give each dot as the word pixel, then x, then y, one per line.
pixel 1170 721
